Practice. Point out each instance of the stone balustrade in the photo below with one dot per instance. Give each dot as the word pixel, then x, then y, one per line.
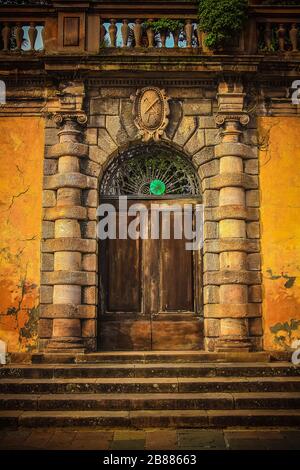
pixel 279 37
pixel 264 33
pixel 136 33
pixel 22 36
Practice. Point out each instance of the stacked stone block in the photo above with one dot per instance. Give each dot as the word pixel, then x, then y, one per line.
pixel 231 249
pixel 68 267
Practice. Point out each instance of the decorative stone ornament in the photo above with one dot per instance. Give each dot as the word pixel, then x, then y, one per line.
pixel 151 111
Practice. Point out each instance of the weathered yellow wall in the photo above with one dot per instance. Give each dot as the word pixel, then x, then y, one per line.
pixel 21 160
pixel 280 222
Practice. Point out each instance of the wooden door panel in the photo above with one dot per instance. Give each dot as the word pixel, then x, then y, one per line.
pixel 151 276
pixel 176 270
pixel 176 277
pixel 177 335
pixel 123 284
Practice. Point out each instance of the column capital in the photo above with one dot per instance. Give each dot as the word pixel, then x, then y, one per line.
pixel 70 125
pixel 231 124
pixel 63 118
pixel 231 115
pixel 225 118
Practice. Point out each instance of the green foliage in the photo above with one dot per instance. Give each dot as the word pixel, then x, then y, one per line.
pixel 30 328
pixel 288 327
pixel 221 20
pixel 285 341
pixel 274 46
pixel 165 26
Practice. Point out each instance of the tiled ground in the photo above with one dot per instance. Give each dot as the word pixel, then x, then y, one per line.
pixel 157 439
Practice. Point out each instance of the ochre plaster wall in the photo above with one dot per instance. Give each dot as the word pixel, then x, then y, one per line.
pixel 279 140
pixel 21 161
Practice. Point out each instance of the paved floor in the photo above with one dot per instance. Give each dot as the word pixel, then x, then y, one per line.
pixel 156 439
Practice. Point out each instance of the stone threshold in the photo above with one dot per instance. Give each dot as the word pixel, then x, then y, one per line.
pixel 147 356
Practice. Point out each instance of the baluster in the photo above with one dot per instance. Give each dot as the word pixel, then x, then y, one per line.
pixel 199 36
pixel 257 35
pixel 112 31
pixel 43 38
pixel 188 28
pixel 32 35
pixel 268 36
pixel 294 37
pixel 6 37
pixel 137 30
pixel 125 33
pixel 163 38
pixel 176 38
pixel 281 37
pixel 102 33
pixel 19 36
pixel 150 34
pixel 205 49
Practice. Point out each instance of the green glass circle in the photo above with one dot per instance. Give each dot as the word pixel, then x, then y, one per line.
pixel 157 187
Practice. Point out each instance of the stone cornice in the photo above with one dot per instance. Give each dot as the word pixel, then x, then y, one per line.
pixel 39 66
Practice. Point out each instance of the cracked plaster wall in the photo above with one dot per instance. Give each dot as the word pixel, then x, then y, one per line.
pixel 280 226
pixel 21 161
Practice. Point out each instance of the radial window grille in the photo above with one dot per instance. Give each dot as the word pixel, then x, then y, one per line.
pixel 149 171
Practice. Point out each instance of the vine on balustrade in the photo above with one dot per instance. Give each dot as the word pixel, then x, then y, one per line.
pixel 222 21
pixel 165 25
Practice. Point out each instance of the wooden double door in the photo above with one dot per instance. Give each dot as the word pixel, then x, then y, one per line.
pixel 150 294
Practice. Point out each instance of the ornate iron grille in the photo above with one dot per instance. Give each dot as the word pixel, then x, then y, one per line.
pixel 150 170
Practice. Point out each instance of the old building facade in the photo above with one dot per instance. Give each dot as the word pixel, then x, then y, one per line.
pixel 89 90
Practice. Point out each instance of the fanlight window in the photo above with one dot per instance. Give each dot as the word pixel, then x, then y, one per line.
pixel 150 171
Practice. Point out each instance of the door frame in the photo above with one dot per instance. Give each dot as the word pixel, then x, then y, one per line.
pixel 151 316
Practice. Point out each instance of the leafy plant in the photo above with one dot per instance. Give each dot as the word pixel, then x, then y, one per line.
pixel 131 38
pixel 165 25
pixel 283 333
pixel 221 20
pixel 274 45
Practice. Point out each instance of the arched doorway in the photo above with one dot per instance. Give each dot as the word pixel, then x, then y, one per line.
pixel 150 294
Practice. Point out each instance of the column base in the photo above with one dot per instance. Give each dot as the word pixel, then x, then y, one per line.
pixel 68 345
pixel 233 344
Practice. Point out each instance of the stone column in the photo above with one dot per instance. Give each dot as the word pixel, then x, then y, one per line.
pixel 68 276
pixel 233 278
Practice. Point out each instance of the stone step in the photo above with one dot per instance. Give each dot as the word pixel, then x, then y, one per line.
pixel 127 357
pixel 283 369
pixel 161 401
pixel 151 385
pixel 151 418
